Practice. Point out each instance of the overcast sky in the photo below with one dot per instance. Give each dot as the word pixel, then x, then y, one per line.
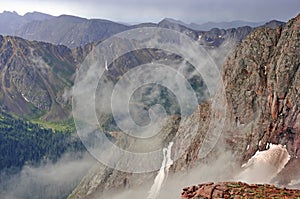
pixel 154 10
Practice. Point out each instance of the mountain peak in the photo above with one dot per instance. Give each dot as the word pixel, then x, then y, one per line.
pixel 5 12
pixel 274 24
pixel 175 21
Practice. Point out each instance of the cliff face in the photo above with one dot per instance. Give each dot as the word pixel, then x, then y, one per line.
pixel 262 81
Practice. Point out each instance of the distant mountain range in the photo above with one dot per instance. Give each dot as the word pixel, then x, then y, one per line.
pixel 226 25
pixel 11 21
pixel 222 25
pixel 74 31
pixel 69 30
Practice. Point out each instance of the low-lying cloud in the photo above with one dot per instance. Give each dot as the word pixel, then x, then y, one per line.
pixel 50 181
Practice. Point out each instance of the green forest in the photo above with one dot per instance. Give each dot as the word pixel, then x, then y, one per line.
pixel 23 142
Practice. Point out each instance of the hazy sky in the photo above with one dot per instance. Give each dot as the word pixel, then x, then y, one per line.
pixel 155 10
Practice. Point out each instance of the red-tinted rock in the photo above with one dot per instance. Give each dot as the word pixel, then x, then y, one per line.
pixel 237 190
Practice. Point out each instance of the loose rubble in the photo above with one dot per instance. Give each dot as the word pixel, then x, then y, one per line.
pixel 237 190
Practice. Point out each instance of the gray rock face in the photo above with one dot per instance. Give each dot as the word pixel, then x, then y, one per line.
pixel 262 81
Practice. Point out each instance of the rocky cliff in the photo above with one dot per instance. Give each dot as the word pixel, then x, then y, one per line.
pixel 262 79
pixel 237 190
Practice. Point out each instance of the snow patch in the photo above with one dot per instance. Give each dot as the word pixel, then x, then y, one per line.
pixel 25 98
pixel 294 182
pixel 106 66
pixel 265 165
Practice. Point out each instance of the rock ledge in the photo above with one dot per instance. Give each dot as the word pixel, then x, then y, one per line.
pixel 237 190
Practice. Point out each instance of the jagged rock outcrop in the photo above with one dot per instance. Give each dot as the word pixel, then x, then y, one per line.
pixel 262 79
pixel 237 190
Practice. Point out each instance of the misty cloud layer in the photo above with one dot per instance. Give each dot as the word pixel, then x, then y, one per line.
pixel 51 181
pixel 223 168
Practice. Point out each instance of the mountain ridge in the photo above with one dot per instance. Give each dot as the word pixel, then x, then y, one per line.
pixel 73 31
pixel 221 25
pixel 10 21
